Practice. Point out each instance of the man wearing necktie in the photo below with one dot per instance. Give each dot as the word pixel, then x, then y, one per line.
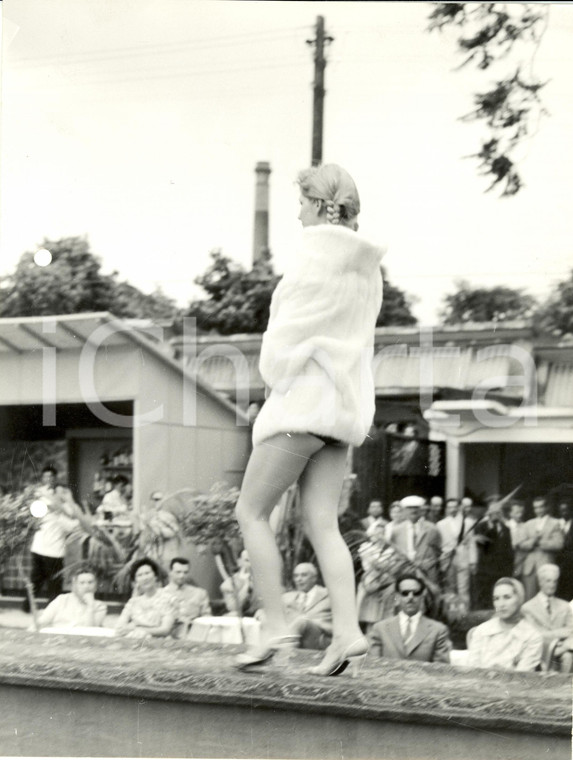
pixel 418 539
pixel 410 635
pixel 307 609
pixel 552 616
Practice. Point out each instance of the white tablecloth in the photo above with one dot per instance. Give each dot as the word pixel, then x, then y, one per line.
pixel 80 631
pixel 225 630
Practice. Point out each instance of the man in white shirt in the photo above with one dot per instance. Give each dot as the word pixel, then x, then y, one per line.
pixel 189 602
pixel 78 609
pixel 49 543
pixel 410 635
pixel 516 527
pixel 449 528
pixel 307 608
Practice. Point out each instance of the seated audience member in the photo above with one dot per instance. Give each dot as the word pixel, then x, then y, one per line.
pixel 189 601
pixel 551 616
pixel 114 503
pixel 494 553
pixel 410 635
pixel 78 609
pixel 237 590
pixel 148 612
pixel 375 518
pixel 541 543
pixel 307 609
pixel 507 641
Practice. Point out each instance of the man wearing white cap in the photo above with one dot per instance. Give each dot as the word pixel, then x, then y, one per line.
pixel 419 539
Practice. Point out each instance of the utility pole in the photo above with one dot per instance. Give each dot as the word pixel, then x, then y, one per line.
pixel 318 101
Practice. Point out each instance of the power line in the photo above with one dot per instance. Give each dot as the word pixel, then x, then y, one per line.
pixel 155 75
pixel 160 49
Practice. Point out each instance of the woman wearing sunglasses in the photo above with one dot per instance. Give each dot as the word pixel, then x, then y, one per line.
pixel 410 635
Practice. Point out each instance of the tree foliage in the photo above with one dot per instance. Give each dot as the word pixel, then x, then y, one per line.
pixel 478 304
pixel 490 32
pixel 556 314
pixel 396 306
pixel 237 301
pixel 73 283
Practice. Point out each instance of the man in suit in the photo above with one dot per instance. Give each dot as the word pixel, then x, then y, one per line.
pixel 418 539
pixel 188 600
pixel 565 559
pixel 541 542
pixel 409 635
pixel 307 609
pixel 552 617
pixel 494 554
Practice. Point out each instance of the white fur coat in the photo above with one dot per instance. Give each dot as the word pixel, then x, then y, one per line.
pixel 316 355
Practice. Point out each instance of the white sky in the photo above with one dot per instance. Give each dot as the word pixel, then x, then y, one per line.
pixel 139 123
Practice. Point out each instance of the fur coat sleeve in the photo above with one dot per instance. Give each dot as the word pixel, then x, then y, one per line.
pixel 316 355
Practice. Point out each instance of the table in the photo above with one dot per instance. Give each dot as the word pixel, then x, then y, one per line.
pixel 225 630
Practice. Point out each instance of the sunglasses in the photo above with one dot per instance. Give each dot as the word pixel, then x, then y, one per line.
pixel 411 593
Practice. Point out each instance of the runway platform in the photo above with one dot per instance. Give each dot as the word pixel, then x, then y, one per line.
pixel 93 697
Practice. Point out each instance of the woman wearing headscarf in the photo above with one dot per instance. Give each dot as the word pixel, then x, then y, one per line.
pixel 506 641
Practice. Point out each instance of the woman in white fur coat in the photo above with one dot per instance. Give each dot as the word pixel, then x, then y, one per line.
pixel 316 358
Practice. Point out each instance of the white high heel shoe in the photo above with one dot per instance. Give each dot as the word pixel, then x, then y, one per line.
pixel 335 664
pixel 263 654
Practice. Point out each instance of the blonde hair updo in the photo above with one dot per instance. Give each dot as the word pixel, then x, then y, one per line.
pixel 331 182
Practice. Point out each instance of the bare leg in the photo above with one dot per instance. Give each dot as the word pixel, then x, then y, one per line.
pixel 274 465
pixel 321 485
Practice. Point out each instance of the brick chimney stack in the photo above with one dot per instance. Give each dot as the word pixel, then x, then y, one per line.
pixel 261 231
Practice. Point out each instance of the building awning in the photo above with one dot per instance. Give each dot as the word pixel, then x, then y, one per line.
pixel 559 387
pixel 62 332
pixel 71 332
